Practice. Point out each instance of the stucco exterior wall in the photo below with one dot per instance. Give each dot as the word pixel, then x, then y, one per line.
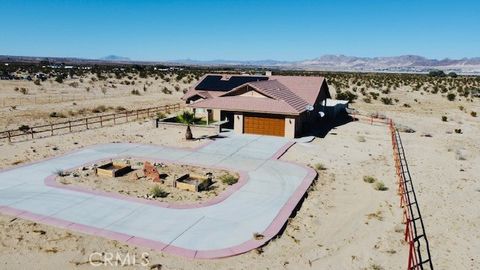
pixel 238 123
pixel 252 93
pixel 216 114
pixel 290 127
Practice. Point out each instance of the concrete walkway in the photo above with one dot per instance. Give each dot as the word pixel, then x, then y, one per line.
pixel 261 204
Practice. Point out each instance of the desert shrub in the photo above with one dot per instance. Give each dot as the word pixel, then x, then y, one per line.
pixel 24 128
pixel 380 186
pixel 57 115
pixel 177 87
pixel 369 179
pixel 59 79
pixel 451 96
pixel 444 118
pixel 458 130
pixel 120 109
pixel 320 167
pixel 347 95
pixel 37 82
pixel 161 115
pixel 158 192
pixel 61 173
pixel 386 100
pixel 135 92
pixel 367 100
pixel 99 109
pixel 73 84
pixel 406 105
pixel 166 91
pixel 228 179
pixel 473 113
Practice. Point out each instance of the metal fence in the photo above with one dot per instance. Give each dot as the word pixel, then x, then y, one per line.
pixel 419 256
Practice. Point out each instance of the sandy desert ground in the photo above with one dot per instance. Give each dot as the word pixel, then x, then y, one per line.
pixel 344 223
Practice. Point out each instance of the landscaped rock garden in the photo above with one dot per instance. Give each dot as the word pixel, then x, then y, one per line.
pixel 166 182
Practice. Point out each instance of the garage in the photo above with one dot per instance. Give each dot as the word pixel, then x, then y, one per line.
pixel 264 124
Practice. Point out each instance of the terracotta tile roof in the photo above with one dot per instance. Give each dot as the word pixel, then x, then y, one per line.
pixel 276 90
pixel 306 87
pixel 285 94
pixel 248 104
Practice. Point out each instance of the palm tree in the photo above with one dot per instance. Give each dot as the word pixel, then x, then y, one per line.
pixel 188 119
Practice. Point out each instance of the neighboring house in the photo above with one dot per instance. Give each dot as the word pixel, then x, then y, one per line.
pixel 267 105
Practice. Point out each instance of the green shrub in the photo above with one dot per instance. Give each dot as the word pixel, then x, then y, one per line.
pixel 99 109
pixel 380 186
pixel 444 118
pixel 451 96
pixel 24 128
pixel 386 100
pixel 120 109
pixel 228 179
pixel 57 115
pixel 473 113
pixel 369 179
pixel 135 92
pixel 158 192
pixel 347 95
pixel 320 167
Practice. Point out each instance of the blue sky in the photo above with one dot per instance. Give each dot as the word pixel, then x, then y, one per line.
pixel 240 30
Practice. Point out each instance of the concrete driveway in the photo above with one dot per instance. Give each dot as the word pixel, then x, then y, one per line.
pixel 260 203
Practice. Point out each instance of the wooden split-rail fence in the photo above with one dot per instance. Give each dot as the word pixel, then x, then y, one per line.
pixel 75 125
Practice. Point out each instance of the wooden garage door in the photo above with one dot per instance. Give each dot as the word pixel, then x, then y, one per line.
pixel 264 124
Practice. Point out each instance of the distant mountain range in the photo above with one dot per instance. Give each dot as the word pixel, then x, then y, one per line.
pixel 404 63
pixel 115 58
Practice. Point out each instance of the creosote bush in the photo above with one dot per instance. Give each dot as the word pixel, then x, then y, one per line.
pixel 158 192
pixel 369 179
pixel 320 167
pixel 380 186
pixel 228 179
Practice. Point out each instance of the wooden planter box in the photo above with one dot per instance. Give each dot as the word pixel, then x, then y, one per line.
pixel 113 169
pixel 192 182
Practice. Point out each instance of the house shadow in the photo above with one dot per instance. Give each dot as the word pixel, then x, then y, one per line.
pixel 322 128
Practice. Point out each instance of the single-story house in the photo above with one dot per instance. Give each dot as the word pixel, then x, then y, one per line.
pixel 267 105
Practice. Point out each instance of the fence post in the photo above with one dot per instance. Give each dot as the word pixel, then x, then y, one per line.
pixel 137 114
pixel 126 116
pixel 101 121
pixel 69 125
pixel 114 119
pixel 51 129
pixel 9 136
pixel 31 131
pixel 86 122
